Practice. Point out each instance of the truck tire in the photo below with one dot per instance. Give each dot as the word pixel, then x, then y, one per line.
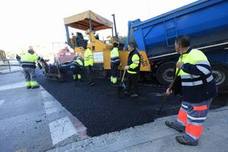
pixel 165 73
pixel 220 75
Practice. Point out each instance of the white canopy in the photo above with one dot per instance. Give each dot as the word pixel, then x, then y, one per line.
pixel 81 21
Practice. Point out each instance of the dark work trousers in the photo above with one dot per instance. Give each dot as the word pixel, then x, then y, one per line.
pixel 132 83
pixel 78 70
pixel 88 71
pixel 114 69
pixel 29 74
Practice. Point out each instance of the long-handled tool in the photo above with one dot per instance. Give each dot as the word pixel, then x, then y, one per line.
pixel 164 95
pixel 122 86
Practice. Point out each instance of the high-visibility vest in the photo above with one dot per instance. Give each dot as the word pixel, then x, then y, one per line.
pixel 78 61
pixel 88 57
pixel 29 60
pixel 115 56
pixel 196 77
pixel 134 62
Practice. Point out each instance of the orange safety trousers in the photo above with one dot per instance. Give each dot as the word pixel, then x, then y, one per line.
pixel 192 117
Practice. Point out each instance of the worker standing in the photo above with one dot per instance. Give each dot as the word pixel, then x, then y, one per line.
pixel 115 62
pixel 73 40
pixel 28 63
pixel 197 89
pixel 88 63
pixel 78 68
pixel 133 68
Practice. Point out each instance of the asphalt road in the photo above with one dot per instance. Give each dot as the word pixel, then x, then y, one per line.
pixel 101 110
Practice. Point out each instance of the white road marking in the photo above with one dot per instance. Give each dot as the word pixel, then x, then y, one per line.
pixel 61 129
pixel 1 102
pixel 12 86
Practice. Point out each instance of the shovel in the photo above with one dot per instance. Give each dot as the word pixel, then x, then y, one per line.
pixel 122 86
pixel 164 95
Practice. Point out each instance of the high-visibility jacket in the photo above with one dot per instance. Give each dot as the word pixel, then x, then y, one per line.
pixel 29 60
pixel 78 61
pixel 197 81
pixel 134 62
pixel 115 59
pixel 88 57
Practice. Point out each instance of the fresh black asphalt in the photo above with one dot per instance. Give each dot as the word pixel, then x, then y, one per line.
pixel 100 108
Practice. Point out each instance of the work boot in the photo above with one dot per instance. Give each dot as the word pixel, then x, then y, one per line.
pixel 185 141
pixel 34 87
pixel 175 126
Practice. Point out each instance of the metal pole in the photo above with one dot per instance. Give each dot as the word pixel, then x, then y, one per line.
pixel 114 21
pixel 90 23
pixel 112 32
pixel 67 34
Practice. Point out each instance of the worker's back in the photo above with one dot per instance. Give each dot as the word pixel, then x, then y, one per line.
pixel 29 60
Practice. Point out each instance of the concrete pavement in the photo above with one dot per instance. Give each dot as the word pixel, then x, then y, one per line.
pixel 32 120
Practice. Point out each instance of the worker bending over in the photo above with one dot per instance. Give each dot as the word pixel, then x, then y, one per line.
pixel 115 62
pixel 78 68
pixel 133 68
pixel 197 87
pixel 88 63
pixel 28 63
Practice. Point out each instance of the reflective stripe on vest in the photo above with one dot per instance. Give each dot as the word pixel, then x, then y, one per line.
pixel 195 83
pixel 195 57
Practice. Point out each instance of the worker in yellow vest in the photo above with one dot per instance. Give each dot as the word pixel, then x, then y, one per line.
pixel 88 64
pixel 115 62
pixel 133 69
pixel 28 63
pixel 196 85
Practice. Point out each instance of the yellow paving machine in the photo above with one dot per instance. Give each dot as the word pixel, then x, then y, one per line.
pixel 90 22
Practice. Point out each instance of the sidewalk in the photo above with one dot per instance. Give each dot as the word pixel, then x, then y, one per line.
pixel 32 120
pixel 7 70
pixel 156 137
pixel 14 67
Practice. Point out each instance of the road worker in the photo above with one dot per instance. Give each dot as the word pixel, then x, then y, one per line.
pixel 78 68
pixel 88 64
pixel 197 87
pixel 28 63
pixel 115 62
pixel 133 69
pixel 73 40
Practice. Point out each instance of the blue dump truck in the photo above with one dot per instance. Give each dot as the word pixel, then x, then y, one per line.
pixel 204 21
